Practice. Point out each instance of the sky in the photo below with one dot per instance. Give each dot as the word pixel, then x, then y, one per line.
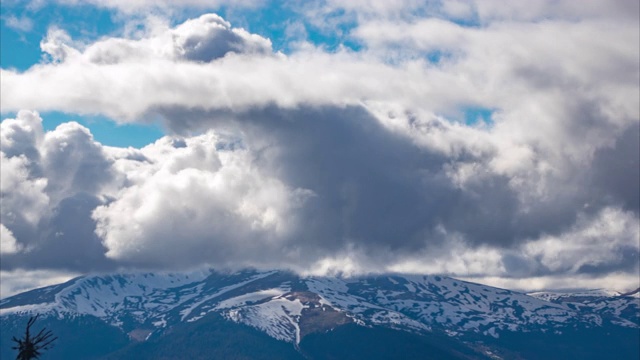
pixel 492 141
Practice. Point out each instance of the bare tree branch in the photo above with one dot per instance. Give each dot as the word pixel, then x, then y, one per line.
pixel 30 348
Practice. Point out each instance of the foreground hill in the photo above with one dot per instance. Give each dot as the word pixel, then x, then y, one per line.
pixel 279 315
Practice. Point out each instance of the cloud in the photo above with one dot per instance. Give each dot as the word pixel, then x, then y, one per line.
pixel 141 6
pixel 22 24
pixel 335 192
pixel 545 9
pixel 50 184
pixel 621 282
pixel 20 280
pixel 24 200
pixel 8 244
pixel 196 201
pixel 210 37
pixel 204 39
pixel 474 11
pixel 73 161
pixel 613 232
pixel 510 67
pixel 338 161
pixel 458 9
pixel 58 45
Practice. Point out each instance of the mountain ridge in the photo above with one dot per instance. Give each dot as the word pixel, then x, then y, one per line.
pixel 290 308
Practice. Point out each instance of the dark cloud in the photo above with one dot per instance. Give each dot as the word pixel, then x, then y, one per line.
pixel 378 190
pixel 67 241
pixel 372 187
pixel 615 171
pixel 366 188
pixel 627 259
pixel 53 183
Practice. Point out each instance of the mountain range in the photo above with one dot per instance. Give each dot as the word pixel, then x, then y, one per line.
pixel 255 314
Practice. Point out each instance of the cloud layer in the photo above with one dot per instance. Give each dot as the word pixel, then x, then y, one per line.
pixel 352 161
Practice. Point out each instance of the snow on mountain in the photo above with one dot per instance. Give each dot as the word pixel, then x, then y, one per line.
pixel 278 317
pixel 204 298
pixel 622 309
pixel 130 301
pixel 557 295
pixel 442 302
pixel 288 307
pixel 106 296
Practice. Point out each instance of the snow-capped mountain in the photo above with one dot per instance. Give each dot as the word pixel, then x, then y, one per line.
pixel 289 308
pixel 618 308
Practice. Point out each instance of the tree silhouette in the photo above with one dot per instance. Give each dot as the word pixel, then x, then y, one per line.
pixel 30 347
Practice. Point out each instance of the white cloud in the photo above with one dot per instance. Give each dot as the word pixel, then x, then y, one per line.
pixel 482 11
pixel 458 9
pixel 180 199
pixel 139 6
pixel 540 89
pixel 22 135
pixel 23 24
pixel 73 161
pixel 24 200
pixel 58 45
pixel 8 243
pixel 455 258
pixel 600 240
pixel 544 9
pixel 202 39
pixel 19 280
pixel 210 37
pixel 621 282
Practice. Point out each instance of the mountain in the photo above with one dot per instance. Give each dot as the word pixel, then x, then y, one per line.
pixel 279 315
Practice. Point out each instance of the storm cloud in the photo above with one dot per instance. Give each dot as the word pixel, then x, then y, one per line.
pixel 338 161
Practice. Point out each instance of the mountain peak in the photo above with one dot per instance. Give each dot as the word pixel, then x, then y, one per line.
pixel 291 308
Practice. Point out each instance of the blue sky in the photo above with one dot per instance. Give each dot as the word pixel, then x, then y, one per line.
pixel 21 46
pixel 495 141
pixel 20 49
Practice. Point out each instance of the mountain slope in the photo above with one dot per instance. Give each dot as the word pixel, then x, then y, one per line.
pixel 308 316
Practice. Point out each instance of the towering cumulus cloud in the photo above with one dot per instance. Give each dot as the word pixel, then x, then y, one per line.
pixel 467 138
